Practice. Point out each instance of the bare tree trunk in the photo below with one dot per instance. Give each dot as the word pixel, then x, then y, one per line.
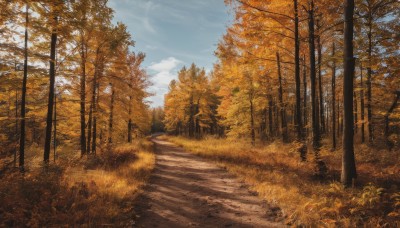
pixel 281 104
pixel 111 119
pixel 314 119
pixel 276 115
pixel 253 134
pixel 369 81
pixel 83 96
pixel 263 125
pixel 95 114
pixel 355 113
pixel 299 123
pixel 305 93
pixel 130 120
pixel 333 84
pixel 362 105
pixel 338 118
pixel 348 161
pixel 16 137
pixel 89 129
pixel 23 98
pixel 320 89
pixel 270 116
pixel 387 130
pixel 49 119
pixel 93 102
pixel 55 129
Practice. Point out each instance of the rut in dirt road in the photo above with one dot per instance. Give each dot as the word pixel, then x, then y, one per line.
pixel 187 191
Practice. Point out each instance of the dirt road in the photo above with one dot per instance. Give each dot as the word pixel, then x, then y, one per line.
pixel 187 191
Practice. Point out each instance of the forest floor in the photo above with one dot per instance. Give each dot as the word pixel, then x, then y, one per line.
pixel 186 190
pixel 92 191
pixel 276 174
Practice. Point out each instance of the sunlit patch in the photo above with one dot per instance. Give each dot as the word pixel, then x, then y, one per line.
pixel 276 173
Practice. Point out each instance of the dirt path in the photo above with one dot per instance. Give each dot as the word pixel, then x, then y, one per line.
pixel 187 191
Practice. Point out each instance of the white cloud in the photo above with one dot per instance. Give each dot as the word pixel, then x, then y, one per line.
pixel 163 73
pixel 165 65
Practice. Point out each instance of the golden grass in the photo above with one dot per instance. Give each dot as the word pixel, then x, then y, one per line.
pixel 275 172
pixel 91 191
pixel 121 182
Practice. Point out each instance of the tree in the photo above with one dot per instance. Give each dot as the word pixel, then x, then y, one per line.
pixel 77 30
pixel 55 9
pixel 281 104
pixel 333 87
pixel 314 113
pixel 362 105
pixel 376 16
pixel 23 98
pixel 189 104
pixel 137 82
pixel 348 161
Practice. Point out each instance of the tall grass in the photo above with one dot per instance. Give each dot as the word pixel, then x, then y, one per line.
pixel 276 173
pixel 90 191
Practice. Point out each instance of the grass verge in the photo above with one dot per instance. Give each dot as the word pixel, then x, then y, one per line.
pixel 275 172
pixel 91 191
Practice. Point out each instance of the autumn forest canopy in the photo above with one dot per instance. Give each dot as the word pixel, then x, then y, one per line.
pixel 302 104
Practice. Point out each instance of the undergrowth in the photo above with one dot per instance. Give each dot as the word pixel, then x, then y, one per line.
pixel 91 191
pixel 277 174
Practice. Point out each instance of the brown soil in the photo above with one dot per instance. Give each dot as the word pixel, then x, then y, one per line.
pixel 187 191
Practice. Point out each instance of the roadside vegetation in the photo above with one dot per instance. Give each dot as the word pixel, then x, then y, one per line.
pixel 276 174
pixel 90 191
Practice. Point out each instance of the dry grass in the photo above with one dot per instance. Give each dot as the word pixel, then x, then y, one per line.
pixel 92 191
pixel 275 172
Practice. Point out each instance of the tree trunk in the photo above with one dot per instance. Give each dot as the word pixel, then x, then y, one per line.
pixel 23 98
pixel 253 134
pixel 314 119
pixel 355 113
pixel 387 130
pixel 338 118
pixel 16 138
pixel 333 85
pixel 49 119
pixel 362 105
pixel 130 120
pixel 55 129
pixel 263 125
pixel 348 161
pixel 369 81
pixel 191 118
pixel 83 96
pixel 299 124
pixel 305 93
pixel 95 114
pixel 197 120
pixel 93 102
pixel 111 119
pixel 320 89
pixel 276 118
pixel 270 116
pixel 89 129
pixel 281 104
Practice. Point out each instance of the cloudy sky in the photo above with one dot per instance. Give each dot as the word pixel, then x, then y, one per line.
pixel 173 33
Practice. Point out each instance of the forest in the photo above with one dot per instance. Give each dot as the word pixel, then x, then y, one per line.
pixel 291 76
pixel 301 107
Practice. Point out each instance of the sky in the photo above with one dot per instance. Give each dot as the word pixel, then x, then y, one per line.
pixel 173 33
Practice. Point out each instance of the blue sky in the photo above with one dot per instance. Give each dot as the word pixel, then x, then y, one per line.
pixel 173 33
